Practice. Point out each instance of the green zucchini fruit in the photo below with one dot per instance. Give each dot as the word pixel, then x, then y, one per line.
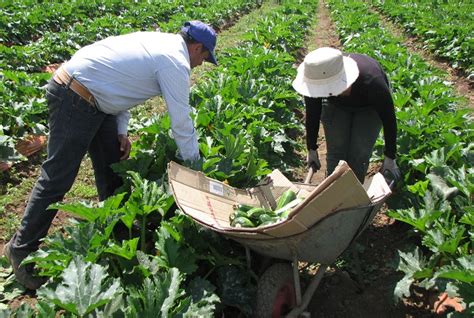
pixel 242 221
pixel 285 198
pixel 265 217
pixel 248 216
pixel 284 215
pixel 289 206
pixel 236 214
pixel 244 207
pixel 256 212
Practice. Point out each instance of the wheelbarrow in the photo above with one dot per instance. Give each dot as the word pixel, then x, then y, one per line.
pixel 279 286
pixel 331 216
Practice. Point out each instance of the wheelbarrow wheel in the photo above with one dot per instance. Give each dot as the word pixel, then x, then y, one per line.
pixel 275 291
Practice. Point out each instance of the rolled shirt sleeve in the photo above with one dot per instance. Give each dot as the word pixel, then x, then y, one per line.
pixel 175 87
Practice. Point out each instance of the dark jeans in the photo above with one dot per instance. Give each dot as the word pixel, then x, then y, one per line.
pixel 350 136
pixel 76 127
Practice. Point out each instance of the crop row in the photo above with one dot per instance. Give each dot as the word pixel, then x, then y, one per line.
pixel 445 27
pixel 55 46
pixel 245 119
pixel 23 22
pixel 436 156
pixel 22 103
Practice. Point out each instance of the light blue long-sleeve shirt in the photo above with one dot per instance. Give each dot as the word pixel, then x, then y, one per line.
pixel 124 71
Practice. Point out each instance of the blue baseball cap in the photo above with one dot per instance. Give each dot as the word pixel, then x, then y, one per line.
pixel 204 34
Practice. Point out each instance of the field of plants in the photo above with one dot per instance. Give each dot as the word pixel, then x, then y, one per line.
pixel 135 254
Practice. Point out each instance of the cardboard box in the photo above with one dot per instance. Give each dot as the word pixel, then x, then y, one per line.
pixel 211 202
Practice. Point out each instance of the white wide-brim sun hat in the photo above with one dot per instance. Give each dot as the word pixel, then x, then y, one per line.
pixel 325 72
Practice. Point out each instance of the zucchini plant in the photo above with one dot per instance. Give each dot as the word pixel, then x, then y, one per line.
pixel 438 25
pixel 435 155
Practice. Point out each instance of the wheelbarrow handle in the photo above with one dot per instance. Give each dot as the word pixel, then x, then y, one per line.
pixel 309 176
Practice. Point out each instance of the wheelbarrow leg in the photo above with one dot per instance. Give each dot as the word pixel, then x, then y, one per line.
pixel 308 294
pixel 296 281
pixel 248 257
pixel 359 280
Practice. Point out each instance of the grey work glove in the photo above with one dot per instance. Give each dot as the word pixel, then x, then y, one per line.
pixel 194 164
pixel 390 170
pixel 313 159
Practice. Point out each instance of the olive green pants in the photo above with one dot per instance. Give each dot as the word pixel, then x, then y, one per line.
pixel 350 136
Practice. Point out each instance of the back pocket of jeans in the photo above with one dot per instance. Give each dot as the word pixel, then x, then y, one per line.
pixel 53 98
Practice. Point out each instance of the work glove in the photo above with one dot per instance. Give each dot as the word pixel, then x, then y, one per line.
pixel 194 164
pixel 313 159
pixel 390 171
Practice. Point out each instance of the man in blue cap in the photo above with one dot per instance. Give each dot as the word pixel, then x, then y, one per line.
pixel 88 98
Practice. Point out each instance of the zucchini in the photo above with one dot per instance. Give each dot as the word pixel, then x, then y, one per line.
pixel 288 207
pixel 242 221
pixel 285 198
pixel 284 215
pixel 243 207
pixel 248 216
pixel 245 211
pixel 236 214
pixel 256 212
pixel 265 218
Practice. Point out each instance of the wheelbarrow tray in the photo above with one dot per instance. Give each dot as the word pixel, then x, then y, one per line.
pixel 322 243
pixel 324 223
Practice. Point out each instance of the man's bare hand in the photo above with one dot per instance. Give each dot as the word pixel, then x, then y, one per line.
pixel 125 146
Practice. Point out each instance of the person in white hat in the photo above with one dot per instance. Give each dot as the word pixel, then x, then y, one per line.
pixel 351 95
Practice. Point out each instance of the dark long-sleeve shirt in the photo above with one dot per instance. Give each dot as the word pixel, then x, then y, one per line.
pixel 370 90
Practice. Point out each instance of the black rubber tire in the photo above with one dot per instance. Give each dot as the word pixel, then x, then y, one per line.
pixel 275 291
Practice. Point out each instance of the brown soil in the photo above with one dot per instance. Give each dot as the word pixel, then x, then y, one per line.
pixel 29 169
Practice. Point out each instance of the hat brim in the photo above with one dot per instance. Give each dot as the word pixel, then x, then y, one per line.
pixel 212 58
pixel 324 88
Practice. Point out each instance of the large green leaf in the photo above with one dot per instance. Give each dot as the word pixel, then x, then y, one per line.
pixel 83 288
pixel 173 253
pixel 157 297
pixel 202 302
pixel 92 212
pixel 127 250
pixel 444 240
pixel 45 309
pixel 237 288
pixel 410 264
pixel 149 265
pixel 7 149
pixel 441 187
pixel 462 271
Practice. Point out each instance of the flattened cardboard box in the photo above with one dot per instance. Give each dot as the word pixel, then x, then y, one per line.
pixel 211 202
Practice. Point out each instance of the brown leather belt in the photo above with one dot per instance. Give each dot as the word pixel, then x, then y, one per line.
pixel 63 78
